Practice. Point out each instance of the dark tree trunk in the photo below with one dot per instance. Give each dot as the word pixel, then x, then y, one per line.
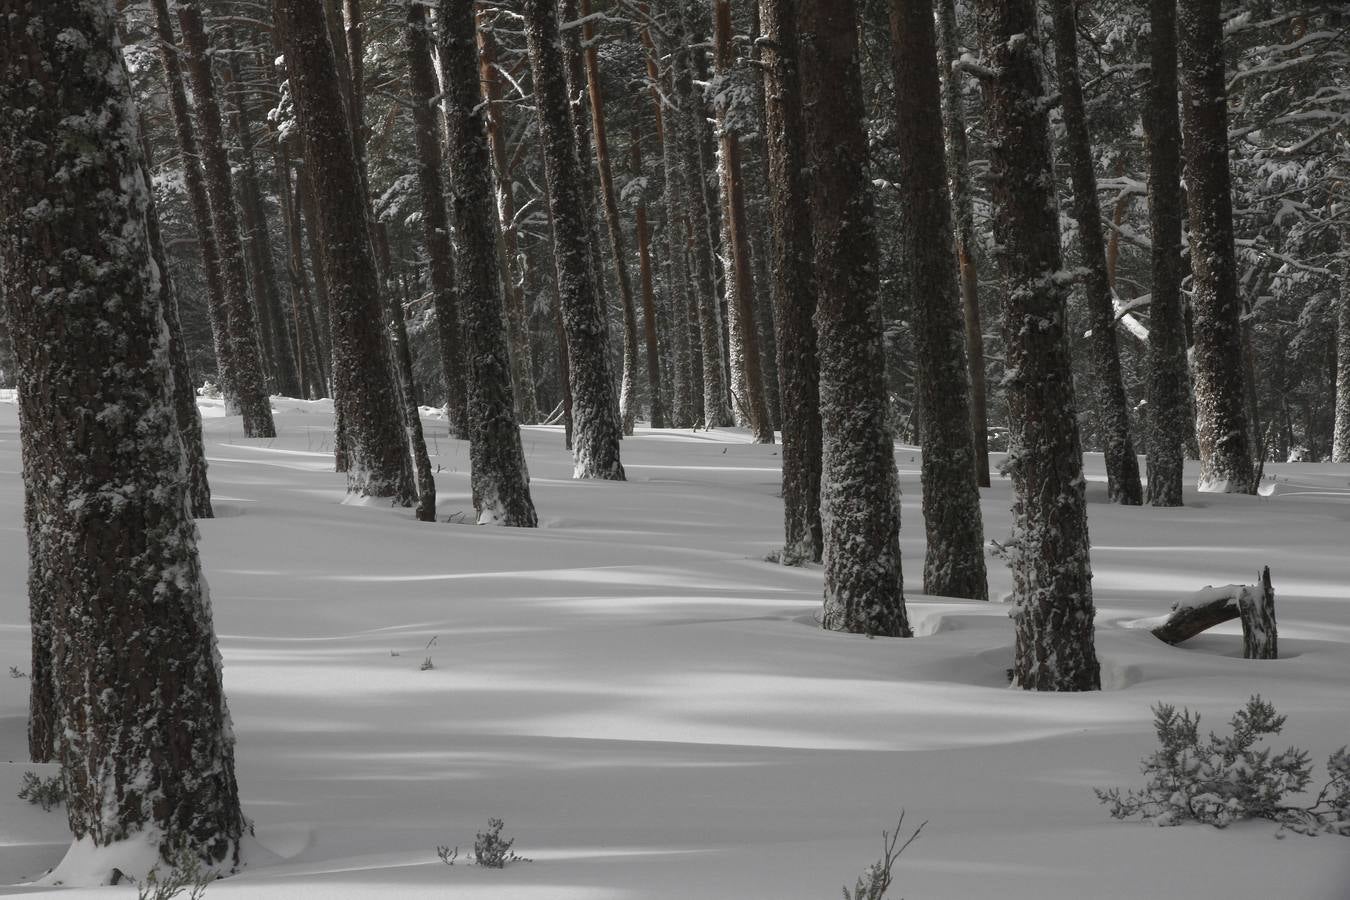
pixel 1052 576
pixel 657 405
pixel 598 431
pixel 312 372
pixel 967 247
pixel 954 565
pixel 747 371
pixel 501 484
pixel 1168 373
pixel 793 282
pixel 1122 466
pixel 1221 418
pixel 517 316
pixel 372 440
pixel 249 381
pixel 1340 444
pixel 435 225
pixel 860 489
pixel 419 460
pixel 628 379
pixel 140 719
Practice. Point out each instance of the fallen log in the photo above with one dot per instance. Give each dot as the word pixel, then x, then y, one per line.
pixel 1254 604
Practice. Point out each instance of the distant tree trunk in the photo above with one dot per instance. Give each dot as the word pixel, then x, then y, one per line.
pixel 435 225
pixel 954 565
pixel 793 282
pixel 419 460
pixel 716 411
pixel 1221 419
pixel 967 247
pixel 688 379
pixel 598 431
pixel 373 442
pixel 1168 373
pixel 1052 577
pixel 141 723
pixel 657 418
pixel 248 374
pixel 276 338
pixel 1340 451
pixel 517 316
pixel 747 370
pixel 501 483
pixel 313 373
pixel 628 380
pixel 860 489
pixel 1122 465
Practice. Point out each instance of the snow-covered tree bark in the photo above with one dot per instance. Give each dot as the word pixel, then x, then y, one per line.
pixel 1221 422
pixel 1169 390
pixel 249 377
pixel 374 444
pixel 1122 466
pixel 860 491
pixel 501 483
pixel 792 284
pixel 435 224
pixel 967 247
pixel 598 431
pixel 954 564
pixel 1340 445
pixel 646 279
pixel 1053 615
pixel 141 726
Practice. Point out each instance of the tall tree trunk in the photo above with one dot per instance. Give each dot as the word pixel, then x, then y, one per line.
pixel 312 372
pixel 1052 620
pixel 649 321
pixel 860 489
pixel 692 125
pixel 747 372
pixel 372 439
pixel 435 225
pixel 954 565
pixel 967 246
pixel 141 723
pixel 793 282
pixel 1168 372
pixel 249 381
pixel 517 316
pixel 1221 419
pixel 501 483
pixel 598 431
pixel 628 380
pixel 1340 443
pixel 418 459
pixel 1122 466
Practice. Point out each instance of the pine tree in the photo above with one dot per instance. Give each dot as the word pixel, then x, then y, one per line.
pixel 793 282
pixel 1053 617
pixel 598 431
pixel 501 484
pixel 373 443
pixel 1341 417
pixel 860 494
pixel 954 564
pixel 140 723
pixel 1221 420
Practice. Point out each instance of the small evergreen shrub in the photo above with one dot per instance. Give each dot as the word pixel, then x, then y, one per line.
pixel 47 793
pixel 876 881
pixel 491 850
pixel 1224 779
pixel 185 873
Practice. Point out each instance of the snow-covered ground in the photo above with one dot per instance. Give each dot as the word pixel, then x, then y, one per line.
pixel 651 708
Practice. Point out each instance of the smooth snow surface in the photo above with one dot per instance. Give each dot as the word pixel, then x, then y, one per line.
pixel 651 708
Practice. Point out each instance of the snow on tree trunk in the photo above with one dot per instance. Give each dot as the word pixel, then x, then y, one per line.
pixel 1122 466
pixel 142 730
pixel 1169 394
pixel 249 376
pixel 1221 421
pixel 598 432
pixel 1053 612
pixel 967 250
pixel 650 321
pixel 793 282
pixel 954 564
pixel 1341 439
pixel 860 494
pixel 374 445
pixel 435 225
pixel 501 483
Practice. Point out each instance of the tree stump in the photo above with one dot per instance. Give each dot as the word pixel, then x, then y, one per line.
pixel 1256 604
